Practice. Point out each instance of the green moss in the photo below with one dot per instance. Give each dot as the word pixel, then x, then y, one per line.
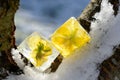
pixel 7 41
pixel 7 12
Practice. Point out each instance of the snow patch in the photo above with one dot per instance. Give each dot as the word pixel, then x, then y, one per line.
pixel 17 58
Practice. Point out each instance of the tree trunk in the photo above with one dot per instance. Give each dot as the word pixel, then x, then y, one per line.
pixel 87 15
pixel 7 40
pixel 109 68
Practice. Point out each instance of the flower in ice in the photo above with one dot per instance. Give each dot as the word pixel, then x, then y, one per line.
pixel 69 37
pixel 40 50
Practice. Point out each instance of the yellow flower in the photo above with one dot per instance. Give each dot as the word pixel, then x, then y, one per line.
pixel 40 50
pixel 69 37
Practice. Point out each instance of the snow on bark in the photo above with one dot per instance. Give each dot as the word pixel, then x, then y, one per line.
pixel 84 64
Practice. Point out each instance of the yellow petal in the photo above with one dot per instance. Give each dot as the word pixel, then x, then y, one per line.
pixel 69 37
pixel 40 49
pixel 33 41
pixel 39 62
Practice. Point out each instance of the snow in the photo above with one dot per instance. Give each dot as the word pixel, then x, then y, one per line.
pixel 84 64
pixel 17 58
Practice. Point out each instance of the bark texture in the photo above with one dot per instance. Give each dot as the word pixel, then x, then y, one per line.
pixel 87 15
pixel 7 40
pixel 109 68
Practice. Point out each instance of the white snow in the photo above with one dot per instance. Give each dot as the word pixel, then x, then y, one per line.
pixel 83 65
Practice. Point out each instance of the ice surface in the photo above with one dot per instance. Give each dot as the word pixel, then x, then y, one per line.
pixel 69 37
pixel 28 49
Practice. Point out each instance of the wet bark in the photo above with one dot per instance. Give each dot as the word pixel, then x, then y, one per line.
pixel 7 40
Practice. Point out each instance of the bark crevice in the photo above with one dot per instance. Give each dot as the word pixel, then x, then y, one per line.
pixel 116 5
pixel 110 68
pixel 87 15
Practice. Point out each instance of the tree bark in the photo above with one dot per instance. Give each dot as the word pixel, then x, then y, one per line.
pixel 87 15
pixel 7 40
pixel 109 68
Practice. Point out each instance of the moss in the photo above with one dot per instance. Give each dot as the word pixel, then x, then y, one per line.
pixel 8 9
